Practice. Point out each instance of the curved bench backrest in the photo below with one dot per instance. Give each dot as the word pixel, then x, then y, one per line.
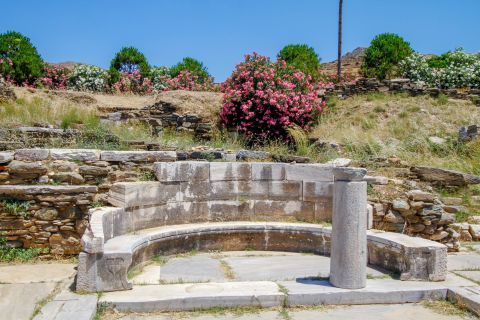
pixel 197 191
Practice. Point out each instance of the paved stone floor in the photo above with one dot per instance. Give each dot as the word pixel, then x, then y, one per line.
pixel 364 312
pixel 23 286
pixel 240 266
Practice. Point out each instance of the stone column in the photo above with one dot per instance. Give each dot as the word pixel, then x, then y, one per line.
pixel 348 260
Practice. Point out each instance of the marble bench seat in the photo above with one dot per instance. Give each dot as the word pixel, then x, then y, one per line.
pixel 109 251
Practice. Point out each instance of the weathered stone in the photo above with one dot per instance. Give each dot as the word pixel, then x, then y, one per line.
pixel 230 171
pixel 6 157
pixel 475 200
pixel 313 191
pixel 439 235
pixel 445 177
pixel 75 154
pixel 26 168
pixel 436 140
pixel 340 162
pixel 309 172
pixel 446 218
pixel 380 180
pixel 475 231
pixel 450 201
pixel 252 155
pixel 474 219
pixel 419 195
pixel 63 166
pixel 138 156
pixel 349 174
pixel 455 209
pixel 46 214
pixel 32 154
pixel 394 217
pixel 400 205
pixel 94 171
pixel 268 171
pixel 68 177
pixel 182 171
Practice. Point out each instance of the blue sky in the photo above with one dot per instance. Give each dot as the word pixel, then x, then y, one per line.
pixel 220 32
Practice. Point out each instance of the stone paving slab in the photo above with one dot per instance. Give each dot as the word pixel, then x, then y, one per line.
pixel 371 312
pixel 69 306
pixel 197 268
pixel 42 272
pixel 376 291
pixel 471 275
pixel 194 296
pixel 246 266
pixel 280 267
pixel 18 300
pixel 463 261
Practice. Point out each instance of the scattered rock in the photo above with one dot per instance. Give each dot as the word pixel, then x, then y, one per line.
pixel 379 180
pixel 252 155
pixel 6 157
pixel 340 162
pixel 468 133
pixel 475 231
pixel 444 177
pixel 449 201
pixel 419 195
pixel 436 140
pixel 474 220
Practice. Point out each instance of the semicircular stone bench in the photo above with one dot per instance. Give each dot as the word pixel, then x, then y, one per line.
pixel 231 206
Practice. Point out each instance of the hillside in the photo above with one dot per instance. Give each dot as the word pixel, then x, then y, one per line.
pixel 351 62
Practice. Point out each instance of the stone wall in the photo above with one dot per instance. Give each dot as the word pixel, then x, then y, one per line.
pixel 161 116
pixel 372 85
pixel 52 217
pixel 193 192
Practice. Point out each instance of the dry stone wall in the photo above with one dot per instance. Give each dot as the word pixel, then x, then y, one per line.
pixel 372 85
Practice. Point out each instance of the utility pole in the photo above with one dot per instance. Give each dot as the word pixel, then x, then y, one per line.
pixel 339 61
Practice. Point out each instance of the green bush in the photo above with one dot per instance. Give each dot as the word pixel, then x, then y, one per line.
pixel 301 57
pixel 19 59
pixel 383 56
pixel 128 60
pixel 193 66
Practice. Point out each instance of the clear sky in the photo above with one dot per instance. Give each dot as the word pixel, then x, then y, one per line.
pixel 220 32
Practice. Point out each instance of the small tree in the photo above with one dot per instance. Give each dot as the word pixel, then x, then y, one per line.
pixel 128 60
pixel 384 55
pixel 193 66
pixel 301 57
pixel 19 59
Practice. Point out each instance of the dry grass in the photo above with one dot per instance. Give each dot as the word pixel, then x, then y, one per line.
pixel 382 125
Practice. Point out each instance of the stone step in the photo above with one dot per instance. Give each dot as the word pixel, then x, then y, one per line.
pixel 469 297
pixel 184 297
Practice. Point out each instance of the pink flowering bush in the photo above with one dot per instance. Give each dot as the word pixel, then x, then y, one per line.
pixel 262 100
pixel 190 82
pixel 54 78
pixel 133 82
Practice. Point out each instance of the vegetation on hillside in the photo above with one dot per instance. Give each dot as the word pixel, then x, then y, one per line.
pixel 19 59
pixel 383 56
pixel 301 57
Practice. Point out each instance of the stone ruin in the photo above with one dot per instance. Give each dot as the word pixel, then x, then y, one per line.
pixel 233 206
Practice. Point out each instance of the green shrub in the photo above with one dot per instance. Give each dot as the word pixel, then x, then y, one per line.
pixel 19 59
pixel 301 57
pixel 383 56
pixel 15 207
pixel 128 60
pixel 193 66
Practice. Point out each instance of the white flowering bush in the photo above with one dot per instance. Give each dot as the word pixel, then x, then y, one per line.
pixel 88 78
pixel 461 70
pixel 160 77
